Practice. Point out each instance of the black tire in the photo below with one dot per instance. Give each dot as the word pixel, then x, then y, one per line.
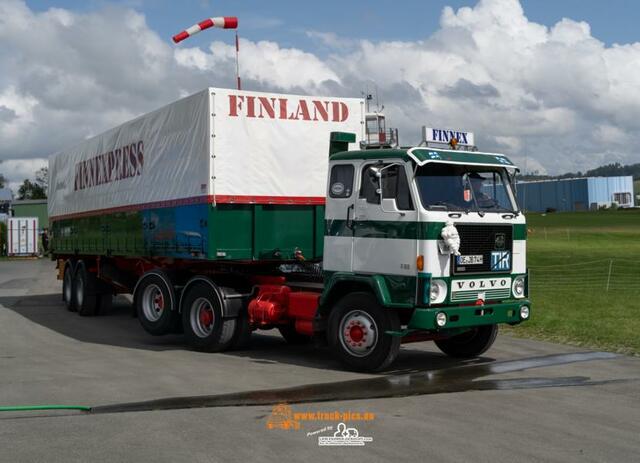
pixel 470 344
pixel 156 304
pixel 205 327
pixel 84 291
pixel 292 337
pixel 242 336
pixel 363 309
pixel 67 287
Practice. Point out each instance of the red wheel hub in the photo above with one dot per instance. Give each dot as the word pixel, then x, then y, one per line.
pixel 206 316
pixel 159 302
pixel 356 333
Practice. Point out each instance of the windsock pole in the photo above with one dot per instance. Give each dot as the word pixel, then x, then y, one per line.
pixel 238 61
pixel 223 22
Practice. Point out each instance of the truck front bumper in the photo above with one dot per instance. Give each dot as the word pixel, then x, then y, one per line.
pixel 469 316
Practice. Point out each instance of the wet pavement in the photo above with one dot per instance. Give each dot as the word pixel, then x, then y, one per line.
pixel 152 399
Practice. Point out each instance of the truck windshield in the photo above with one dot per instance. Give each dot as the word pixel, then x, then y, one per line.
pixel 464 188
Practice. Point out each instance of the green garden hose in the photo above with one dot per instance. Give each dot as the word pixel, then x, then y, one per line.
pixel 23 408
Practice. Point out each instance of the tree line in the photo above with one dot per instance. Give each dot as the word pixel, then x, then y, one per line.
pixel 609 170
pixel 32 189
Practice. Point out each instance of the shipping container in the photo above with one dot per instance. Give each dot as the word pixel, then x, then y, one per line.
pixel 22 236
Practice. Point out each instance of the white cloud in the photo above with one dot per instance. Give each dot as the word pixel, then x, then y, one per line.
pixel 556 92
pixel 17 170
pixel 264 62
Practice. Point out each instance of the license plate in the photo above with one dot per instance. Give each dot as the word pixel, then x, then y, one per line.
pixel 469 260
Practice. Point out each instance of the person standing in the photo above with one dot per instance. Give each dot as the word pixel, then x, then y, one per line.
pixel 45 241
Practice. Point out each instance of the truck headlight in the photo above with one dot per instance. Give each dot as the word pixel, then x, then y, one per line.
pixel 518 287
pixel 437 292
pixel 441 319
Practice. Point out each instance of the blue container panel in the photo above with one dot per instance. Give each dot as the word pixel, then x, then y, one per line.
pixel 561 195
pixel 603 189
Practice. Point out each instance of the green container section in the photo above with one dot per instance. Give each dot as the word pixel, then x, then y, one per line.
pixel 32 208
pixel 225 232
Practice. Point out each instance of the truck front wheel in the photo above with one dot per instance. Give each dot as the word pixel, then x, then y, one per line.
pixel 357 332
pixel 470 344
pixel 205 327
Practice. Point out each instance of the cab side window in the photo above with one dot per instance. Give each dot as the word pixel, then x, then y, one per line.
pixel 341 182
pixel 394 185
pixel 369 185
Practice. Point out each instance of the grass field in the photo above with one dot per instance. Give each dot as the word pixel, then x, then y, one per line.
pixel 585 279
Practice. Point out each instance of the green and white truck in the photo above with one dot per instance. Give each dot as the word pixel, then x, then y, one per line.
pixel 232 211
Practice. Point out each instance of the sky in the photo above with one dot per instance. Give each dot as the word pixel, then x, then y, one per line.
pixel 553 84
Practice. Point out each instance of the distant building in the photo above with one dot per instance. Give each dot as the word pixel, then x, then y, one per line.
pixel 32 208
pixel 575 194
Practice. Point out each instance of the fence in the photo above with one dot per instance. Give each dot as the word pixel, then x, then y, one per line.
pixel 603 275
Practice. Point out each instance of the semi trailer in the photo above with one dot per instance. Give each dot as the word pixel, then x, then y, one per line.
pixel 233 211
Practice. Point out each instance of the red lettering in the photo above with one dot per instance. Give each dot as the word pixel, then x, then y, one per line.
pixel 340 111
pixel 110 165
pixel 235 104
pixel 321 107
pixel 140 158
pixel 133 160
pixel 125 161
pixel 269 105
pixel 302 112
pixel 251 106
pixel 121 163
pixel 283 108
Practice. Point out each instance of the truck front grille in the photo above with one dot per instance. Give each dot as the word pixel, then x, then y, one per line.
pixel 476 239
pixel 489 295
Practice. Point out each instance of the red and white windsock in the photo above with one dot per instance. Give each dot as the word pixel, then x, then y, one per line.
pixel 226 22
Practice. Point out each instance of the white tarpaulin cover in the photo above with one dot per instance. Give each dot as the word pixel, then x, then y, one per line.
pixel 217 145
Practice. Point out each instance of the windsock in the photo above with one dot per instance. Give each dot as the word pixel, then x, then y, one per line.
pixel 226 22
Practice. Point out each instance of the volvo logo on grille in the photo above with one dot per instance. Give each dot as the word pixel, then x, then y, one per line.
pixel 500 240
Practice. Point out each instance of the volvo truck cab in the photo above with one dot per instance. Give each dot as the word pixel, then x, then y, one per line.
pixel 432 246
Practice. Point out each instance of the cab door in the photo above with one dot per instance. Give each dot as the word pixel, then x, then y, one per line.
pixel 339 214
pixel 385 221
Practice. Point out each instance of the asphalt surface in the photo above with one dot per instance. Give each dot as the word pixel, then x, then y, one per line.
pixel 523 401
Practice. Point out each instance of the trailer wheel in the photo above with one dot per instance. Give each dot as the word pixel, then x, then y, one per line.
pixel 84 291
pixel 67 287
pixel 156 306
pixel 205 328
pixel 242 336
pixel 356 332
pixel 470 344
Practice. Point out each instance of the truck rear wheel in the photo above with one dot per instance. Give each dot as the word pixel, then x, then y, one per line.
pixel 205 327
pixel 67 287
pixel 84 291
pixel 470 344
pixel 156 305
pixel 242 336
pixel 356 333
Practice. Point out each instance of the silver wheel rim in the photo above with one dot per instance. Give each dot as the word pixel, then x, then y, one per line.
pixel 79 291
pixel 153 303
pixel 358 333
pixel 67 286
pixel 202 317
